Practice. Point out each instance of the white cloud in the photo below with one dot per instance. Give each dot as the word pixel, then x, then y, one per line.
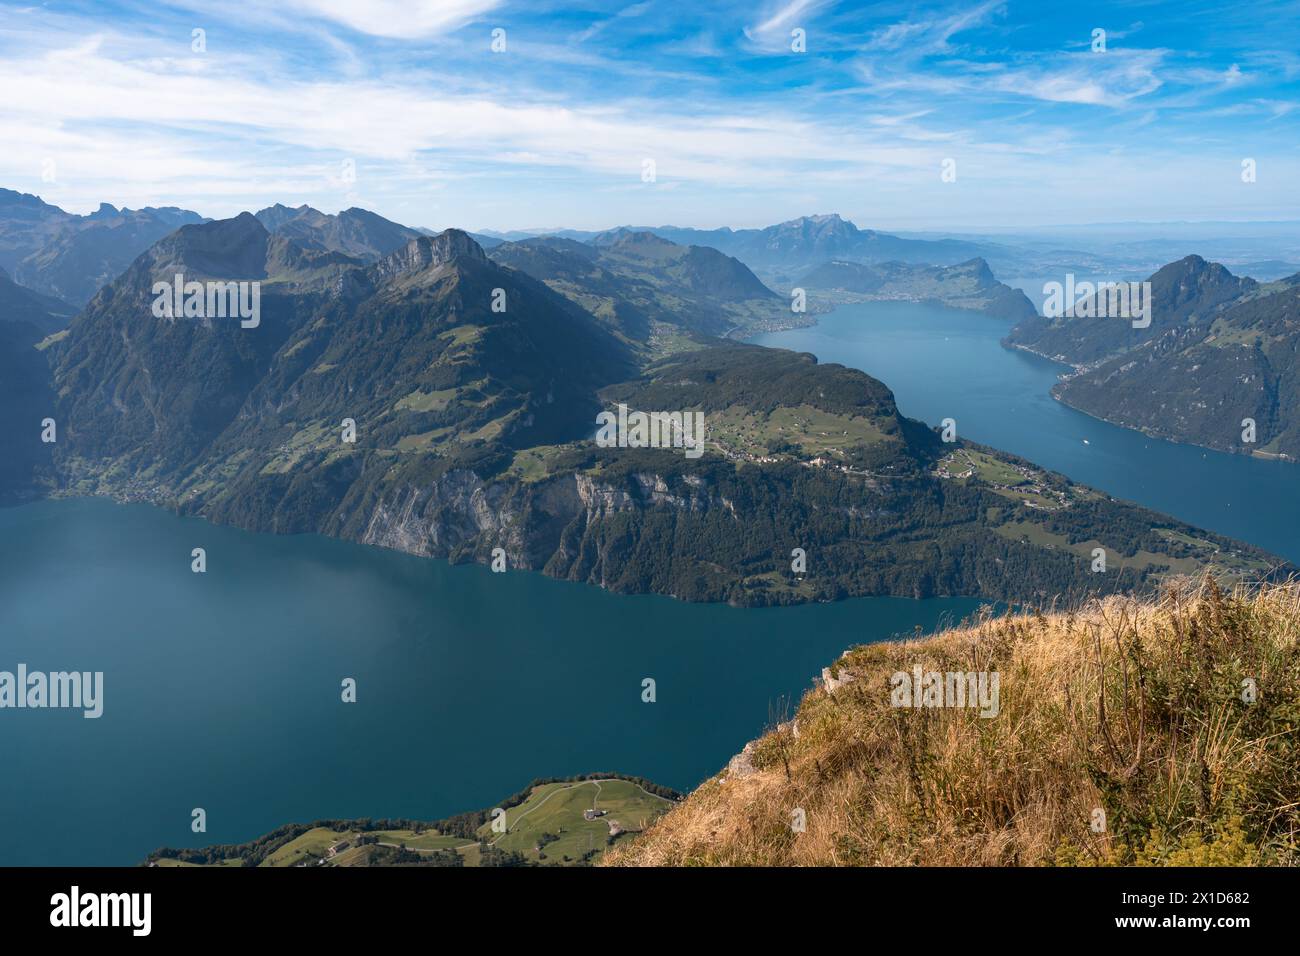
pixel 61 97
pixel 774 30
pixel 931 35
pixel 399 19
pixel 462 141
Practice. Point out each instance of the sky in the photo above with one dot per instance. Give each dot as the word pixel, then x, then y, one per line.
pixel 489 114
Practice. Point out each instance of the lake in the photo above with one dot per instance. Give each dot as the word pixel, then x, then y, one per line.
pixel 944 363
pixel 222 690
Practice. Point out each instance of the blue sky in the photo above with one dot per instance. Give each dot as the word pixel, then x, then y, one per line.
pixel 110 102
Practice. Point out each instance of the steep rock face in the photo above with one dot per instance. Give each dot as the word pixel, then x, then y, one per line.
pixel 461 515
pixel 428 252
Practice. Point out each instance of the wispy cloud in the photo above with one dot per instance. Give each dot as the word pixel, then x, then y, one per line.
pixel 407 19
pixel 741 127
pixel 929 35
pixel 774 30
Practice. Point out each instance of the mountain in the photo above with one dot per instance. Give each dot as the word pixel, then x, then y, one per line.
pixel 1079 730
pixel 473 388
pixel 240 422
pixel 1199 383
pixel 699 269
pixel 354 232
pixel 25 395
pixel 792 248
pixel 71 257
pixel 1220 349
pixel 637 282
pixel 25 401
pixel 1187 292
pixel 967 285
pixel 779 253
pixel 18 304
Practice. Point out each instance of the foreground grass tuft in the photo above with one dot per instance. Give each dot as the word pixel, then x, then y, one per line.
pixel 1126 734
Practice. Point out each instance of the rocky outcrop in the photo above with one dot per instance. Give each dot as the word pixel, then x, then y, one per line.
pixel 460 515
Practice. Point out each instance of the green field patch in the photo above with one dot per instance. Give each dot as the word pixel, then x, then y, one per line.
pixel 423 441
pixel 167 861
pixel 298 346
pixel 533 464
pixel 426 840
pixel 463 334
pixel 1140 561
pixel 812 431
pixel 419 401
pixel 313 437
pixel 353 856
pixel 490 431
pixel 818 431
pixel 552 818
pixel 309 847
pixel 49 340
pixel 992 470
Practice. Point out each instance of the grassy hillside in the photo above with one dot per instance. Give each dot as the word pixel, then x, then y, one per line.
pixel 550 826
pixel 545 824
pixel 1124 735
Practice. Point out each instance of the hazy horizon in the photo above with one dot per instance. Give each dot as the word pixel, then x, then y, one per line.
pixel 901 229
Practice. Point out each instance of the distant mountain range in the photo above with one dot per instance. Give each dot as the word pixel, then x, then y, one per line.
pixel 782 252
pixel 472 386
pixel 1220 349
pixel 71 257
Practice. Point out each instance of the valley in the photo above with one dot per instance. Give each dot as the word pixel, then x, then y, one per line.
pixel 421 393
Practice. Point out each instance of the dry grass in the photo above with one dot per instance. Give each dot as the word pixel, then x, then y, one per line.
pixel 1128 706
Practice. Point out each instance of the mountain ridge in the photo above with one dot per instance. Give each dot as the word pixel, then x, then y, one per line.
pixel 469 390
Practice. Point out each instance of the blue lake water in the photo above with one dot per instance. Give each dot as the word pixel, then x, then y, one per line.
pixel 222 690
pixel 943 363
